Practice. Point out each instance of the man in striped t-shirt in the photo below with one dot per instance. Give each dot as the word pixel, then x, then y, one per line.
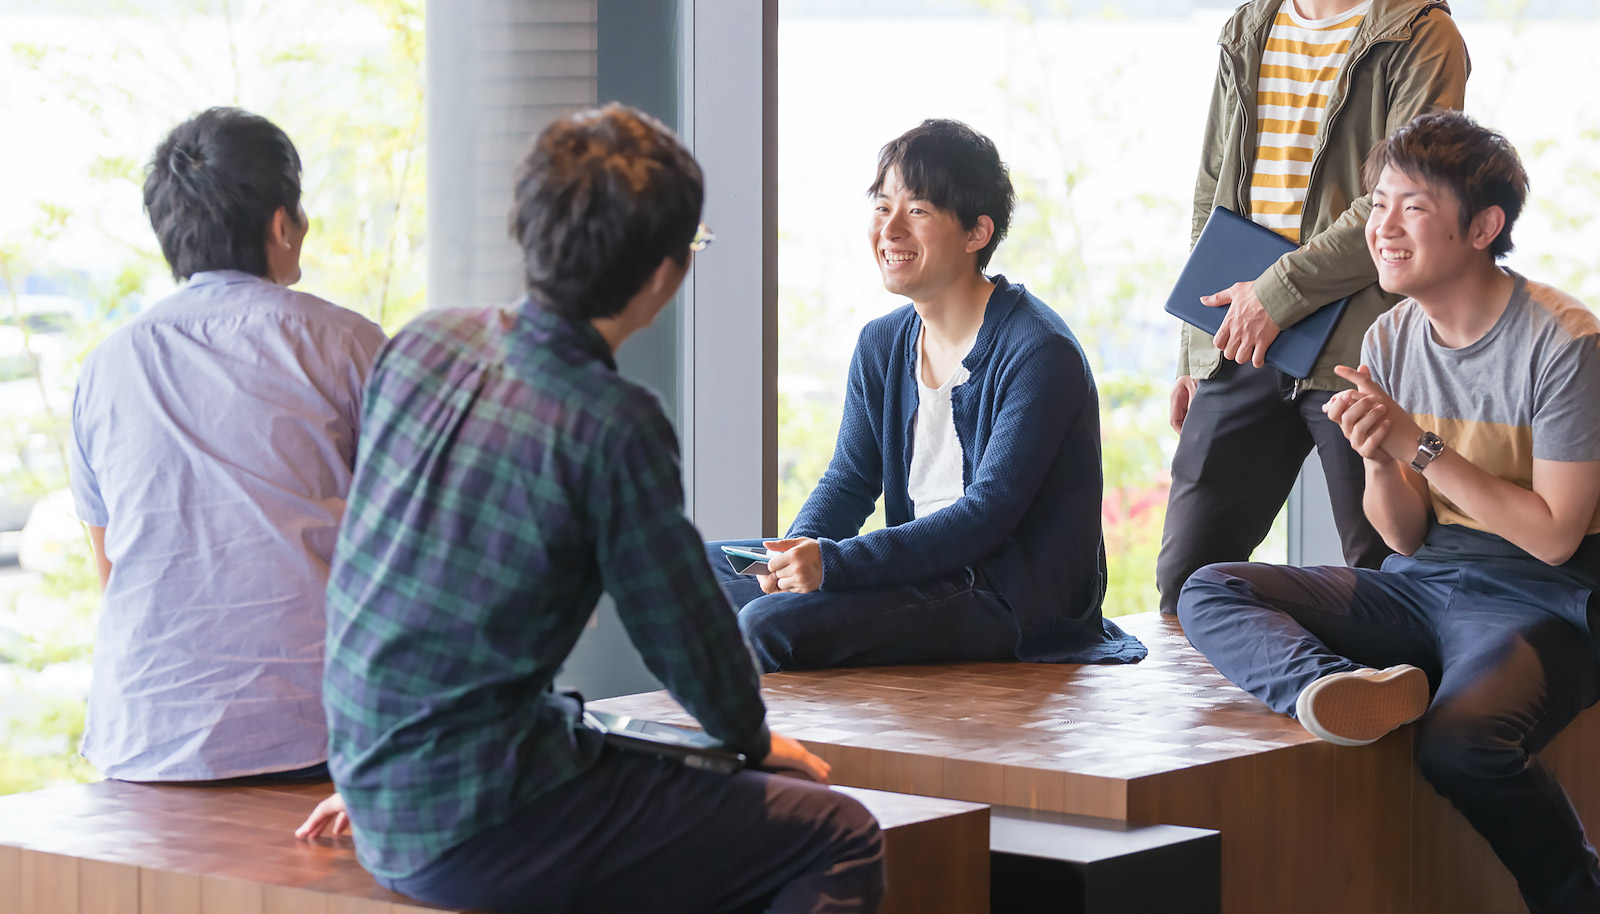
pixel 1304 89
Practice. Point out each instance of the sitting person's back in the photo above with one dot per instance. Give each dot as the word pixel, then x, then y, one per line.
pixel 214 439
pixel 508 477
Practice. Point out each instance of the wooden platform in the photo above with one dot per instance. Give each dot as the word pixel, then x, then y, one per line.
pixel 1306 826
pixel 117 848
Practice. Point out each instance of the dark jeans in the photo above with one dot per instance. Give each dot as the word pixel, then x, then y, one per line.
pixel 637 833
pixel 1242 446
pixel 310 774
pixel 956 617
pixel 1510 657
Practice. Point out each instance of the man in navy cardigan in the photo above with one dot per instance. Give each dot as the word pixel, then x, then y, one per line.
pixel 973 412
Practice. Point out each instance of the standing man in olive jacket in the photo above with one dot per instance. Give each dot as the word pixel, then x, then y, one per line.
pixel 1304 89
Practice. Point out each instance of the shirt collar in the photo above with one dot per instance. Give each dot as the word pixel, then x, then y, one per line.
pixel 578 334
pixel 212 277
pixel 1002 299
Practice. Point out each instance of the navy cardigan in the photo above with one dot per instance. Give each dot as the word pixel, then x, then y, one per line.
pixel 1029 424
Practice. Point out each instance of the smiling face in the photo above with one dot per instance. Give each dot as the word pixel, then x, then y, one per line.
pixel 1416 238
pixel 920 250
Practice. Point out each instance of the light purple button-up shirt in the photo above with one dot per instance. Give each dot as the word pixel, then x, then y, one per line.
pixel 214 439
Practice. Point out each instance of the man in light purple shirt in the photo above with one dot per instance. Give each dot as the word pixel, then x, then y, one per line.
pixel 214 437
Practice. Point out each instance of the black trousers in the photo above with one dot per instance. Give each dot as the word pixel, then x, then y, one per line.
pixel 641 834
pixel 1242 446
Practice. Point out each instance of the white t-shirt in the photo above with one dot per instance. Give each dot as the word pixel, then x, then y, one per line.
pixel 936 466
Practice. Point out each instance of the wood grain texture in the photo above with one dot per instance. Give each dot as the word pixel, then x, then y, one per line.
pixel 49 884
pixel 10 880
pixel 936 858
pixel 109 888
pixel 183 850
pixel 118 848
pixel 1306 827
pixel 168 892
pixel 231 896
pixel 1075 734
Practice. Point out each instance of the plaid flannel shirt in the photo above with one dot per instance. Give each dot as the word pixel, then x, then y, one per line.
pixel 506 476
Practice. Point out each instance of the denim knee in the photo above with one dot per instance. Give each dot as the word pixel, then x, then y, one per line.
pixel 768 642
pixel 1209 590
pixel 1456 750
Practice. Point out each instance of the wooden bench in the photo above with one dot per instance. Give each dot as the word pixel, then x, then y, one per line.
pixel 117 848
pixel 1307 827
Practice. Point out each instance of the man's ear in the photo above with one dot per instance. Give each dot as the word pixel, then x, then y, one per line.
pixel 1486 227
pixel 280 231
pixel 662 284
pixel 668 276
pixel 978 236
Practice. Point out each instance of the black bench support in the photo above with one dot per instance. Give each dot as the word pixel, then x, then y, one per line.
pixel 1054 863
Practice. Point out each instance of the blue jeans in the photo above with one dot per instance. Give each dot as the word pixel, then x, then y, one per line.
pixel 951 618
pixel 638 833
pixel 1510 657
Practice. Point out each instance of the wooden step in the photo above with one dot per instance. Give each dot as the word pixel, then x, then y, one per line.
pixel 119 848
pixel 1306 826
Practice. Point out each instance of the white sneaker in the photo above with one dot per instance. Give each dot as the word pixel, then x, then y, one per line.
pixel 1361 706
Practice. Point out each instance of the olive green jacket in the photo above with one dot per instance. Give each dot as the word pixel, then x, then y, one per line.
pixel 1407 57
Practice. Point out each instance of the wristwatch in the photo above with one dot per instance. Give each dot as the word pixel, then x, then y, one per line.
pixel 1429 447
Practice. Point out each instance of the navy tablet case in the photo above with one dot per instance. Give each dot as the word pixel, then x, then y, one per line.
pixel 1233 249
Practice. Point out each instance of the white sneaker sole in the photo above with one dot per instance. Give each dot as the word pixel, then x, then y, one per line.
pixel 1361 707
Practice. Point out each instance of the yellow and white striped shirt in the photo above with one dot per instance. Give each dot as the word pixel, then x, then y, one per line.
pixel 1298 70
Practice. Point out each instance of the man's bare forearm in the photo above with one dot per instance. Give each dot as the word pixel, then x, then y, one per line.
pixel 1397 509
pixel 1522 516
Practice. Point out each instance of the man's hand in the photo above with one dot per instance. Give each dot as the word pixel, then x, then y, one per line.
pixel 1247 330
pixel 1182 396
pixel 768 583
pixel 329 817
pixel 1364 421
pixel 788 755
pixel 798 569
pixel 1389 430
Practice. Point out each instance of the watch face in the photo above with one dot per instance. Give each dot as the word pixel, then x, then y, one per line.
pixel 1431 442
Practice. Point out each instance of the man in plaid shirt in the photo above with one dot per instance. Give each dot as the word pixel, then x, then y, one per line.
pixel 506 476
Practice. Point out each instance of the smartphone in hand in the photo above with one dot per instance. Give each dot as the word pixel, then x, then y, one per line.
pixel 749 559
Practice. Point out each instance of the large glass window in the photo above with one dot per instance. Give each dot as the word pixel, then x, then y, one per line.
pixel 1099 111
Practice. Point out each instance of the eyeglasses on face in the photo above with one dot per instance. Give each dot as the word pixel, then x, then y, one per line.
pixel 703 237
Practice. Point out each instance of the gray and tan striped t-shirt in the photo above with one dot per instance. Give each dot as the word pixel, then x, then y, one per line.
pixel 1528 389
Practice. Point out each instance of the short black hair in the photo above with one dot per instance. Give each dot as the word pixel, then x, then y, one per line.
pixel 955 168
pixel 1450 150
pixel 601 199
pixel 213 186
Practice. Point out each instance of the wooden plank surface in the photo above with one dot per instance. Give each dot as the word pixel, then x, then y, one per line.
pixel 49 884
pixel 118 848
pixel 109 888
pixel 1306 826
pixel 10 880
pixel 195 849
pixel 1063 737
pixel 936 852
